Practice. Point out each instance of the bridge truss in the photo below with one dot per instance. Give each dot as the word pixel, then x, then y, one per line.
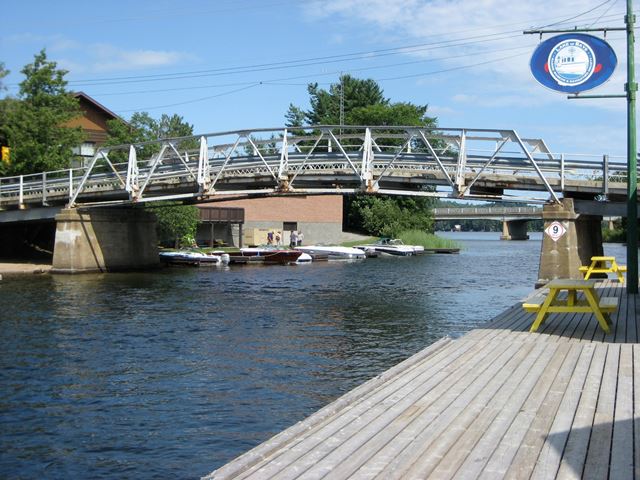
pixel 462 163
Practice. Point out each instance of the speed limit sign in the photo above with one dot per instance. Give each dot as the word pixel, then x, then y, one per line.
pixel 555 230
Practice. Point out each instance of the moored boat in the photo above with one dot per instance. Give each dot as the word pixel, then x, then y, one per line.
pixel 194 258
pixel 389 246
pixel 334 252
pixel 265 255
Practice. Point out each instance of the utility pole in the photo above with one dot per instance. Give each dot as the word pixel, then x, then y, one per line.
pixel 341 103
pixel 631 87
pixel 632 158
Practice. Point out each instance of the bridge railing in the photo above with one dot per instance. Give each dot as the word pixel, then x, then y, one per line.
pixel 318 159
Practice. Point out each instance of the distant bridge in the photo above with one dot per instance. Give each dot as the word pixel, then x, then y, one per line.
pixel 488 213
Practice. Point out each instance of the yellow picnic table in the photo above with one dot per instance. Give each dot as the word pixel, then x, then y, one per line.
pixel 604 265
pixel 556 303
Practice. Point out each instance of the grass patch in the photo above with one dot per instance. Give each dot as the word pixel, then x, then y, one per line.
pixel 365 241
pixel 427 240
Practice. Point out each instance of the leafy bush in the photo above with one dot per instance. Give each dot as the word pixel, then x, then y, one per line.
pixel 385 216
pixel 177 224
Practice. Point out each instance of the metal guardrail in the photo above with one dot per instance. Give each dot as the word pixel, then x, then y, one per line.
pixel 317 160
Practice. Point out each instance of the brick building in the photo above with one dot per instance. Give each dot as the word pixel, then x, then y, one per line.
pixel 318 217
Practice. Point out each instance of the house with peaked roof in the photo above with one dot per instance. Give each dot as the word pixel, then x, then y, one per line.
pixel 93 122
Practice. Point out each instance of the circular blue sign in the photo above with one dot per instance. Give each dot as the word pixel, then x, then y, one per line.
pixel 573 62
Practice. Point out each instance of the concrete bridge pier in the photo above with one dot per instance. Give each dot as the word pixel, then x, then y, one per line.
pixel 582 239
pixel 514 230
pixel 101 239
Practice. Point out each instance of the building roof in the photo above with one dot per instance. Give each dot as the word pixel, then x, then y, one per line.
pixel 84 96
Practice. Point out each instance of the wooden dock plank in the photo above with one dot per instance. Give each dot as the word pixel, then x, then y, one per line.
pixel 535 416
pixel 536 384
pixel 441 456
pixel 544 444
pixel 575 451
pixel 401 410
pixel 621 321
pixel 621 463
pixel 597 462
pixel 433 412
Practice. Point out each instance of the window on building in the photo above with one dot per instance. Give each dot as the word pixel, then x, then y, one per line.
pixel 289 226
pixel 87 149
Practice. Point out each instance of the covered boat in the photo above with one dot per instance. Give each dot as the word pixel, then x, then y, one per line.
pixel 334 253
pixel 194 258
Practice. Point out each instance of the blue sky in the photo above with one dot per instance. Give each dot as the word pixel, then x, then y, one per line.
pixel 222 64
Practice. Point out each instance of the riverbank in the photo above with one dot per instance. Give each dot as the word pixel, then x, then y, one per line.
pixel 8 268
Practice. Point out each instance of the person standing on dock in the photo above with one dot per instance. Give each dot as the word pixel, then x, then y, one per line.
pixel 270 238
pixel 300 238
pixel 293 242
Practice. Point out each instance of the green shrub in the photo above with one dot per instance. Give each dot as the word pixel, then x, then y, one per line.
pixel 427 240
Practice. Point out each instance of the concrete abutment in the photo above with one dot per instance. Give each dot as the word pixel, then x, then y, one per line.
pixel 514 230
pixel 101 239
pixel 582 239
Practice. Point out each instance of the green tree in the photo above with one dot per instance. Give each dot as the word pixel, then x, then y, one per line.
pixel 144 128
pixel 365 104
pixel 3 73
pixel 325 104
pixel 33 125
pixel 388 216
pixel 177 224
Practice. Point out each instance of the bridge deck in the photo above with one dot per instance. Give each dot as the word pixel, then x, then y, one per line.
pixel 499 402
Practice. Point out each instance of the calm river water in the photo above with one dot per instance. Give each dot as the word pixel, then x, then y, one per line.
pixel 171 374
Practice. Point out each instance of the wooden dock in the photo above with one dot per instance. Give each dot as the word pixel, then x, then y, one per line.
pixel 499 402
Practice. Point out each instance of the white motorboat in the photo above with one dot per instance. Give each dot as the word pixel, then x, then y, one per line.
pixel 333 252
pixel 389 246
pixel 194 258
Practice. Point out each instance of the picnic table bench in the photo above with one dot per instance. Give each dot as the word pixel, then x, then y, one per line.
pixel 554 302
pixel 600 264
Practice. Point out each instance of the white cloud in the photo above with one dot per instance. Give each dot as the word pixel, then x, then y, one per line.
pixel 437 110
pixel 87 58
pixel 111 59
pixel 471 35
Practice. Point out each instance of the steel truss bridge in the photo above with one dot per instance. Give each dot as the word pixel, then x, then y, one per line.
pixel 461 163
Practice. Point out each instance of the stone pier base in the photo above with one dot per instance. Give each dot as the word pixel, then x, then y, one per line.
pixel 101 239
pixel 563 257
pixel 514 230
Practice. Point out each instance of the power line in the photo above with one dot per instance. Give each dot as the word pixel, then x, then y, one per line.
pixel 303 62
pixel 308 75
pixel 575 16
pixel 190 101
pixel 603 14
pixel 424 74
